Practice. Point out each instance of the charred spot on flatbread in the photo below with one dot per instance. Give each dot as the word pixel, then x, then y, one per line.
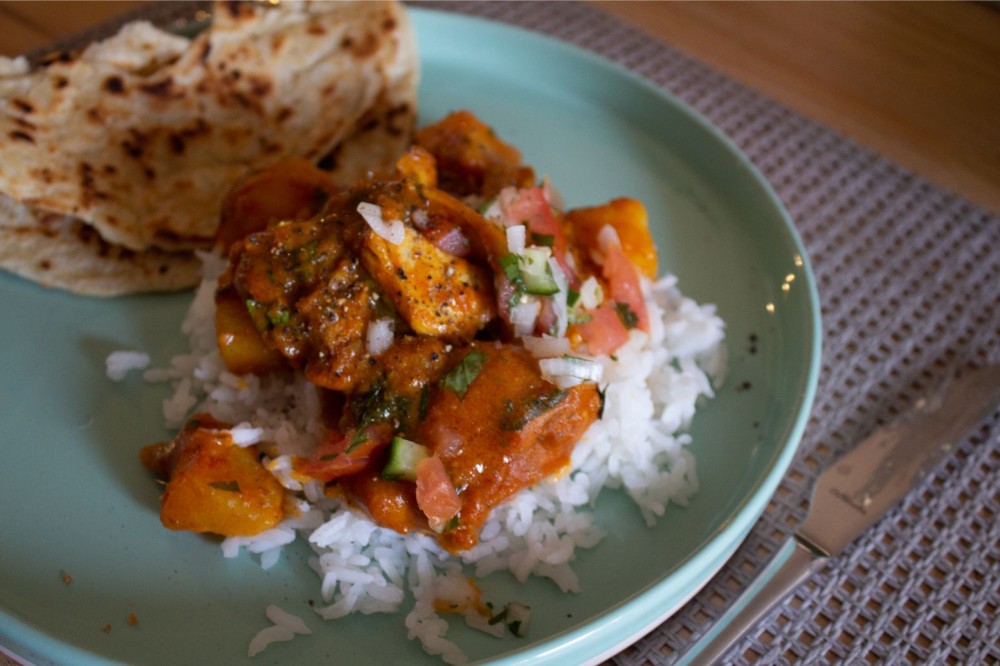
pixel 61 252
pixel 137 137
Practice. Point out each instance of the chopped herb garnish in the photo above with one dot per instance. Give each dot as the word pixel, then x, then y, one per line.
pixel 532 409
pixel 425 402
pixel 279 317
pixel 265 319
pixel 463 374
pixel 360 437
pixel 258 314
pixel 543 240
pixel 377 406
pixel 627 315
pixel 228 486
pixel 572 296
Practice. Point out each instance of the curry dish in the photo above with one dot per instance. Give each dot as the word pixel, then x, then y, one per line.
pixel 405 298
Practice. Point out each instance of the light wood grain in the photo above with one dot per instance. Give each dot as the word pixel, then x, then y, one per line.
pixel 918 82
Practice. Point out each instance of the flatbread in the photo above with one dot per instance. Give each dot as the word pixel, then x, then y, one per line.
pixel 62 252
pixel 139 136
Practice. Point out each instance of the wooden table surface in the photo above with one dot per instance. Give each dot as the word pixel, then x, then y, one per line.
pixel 917 82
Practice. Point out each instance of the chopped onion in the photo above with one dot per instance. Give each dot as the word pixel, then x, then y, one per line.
pixel 546 346
pixel 518 617
pixel 453 242
pixel 559 299
pixel 516 238
pixel 492 211
pixel 575 367
pixel 379 336
pixel 591 293
pixel 420 218
pixel 523 316
pixel 607 237
pixel 393 232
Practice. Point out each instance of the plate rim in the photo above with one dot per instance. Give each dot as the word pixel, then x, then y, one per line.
pixel 726 540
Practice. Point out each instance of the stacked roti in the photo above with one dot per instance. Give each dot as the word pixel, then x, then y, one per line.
pixel 114 161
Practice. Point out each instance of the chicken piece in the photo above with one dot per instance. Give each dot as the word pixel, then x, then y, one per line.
pixel 419 166
pixel 472 161
pixel 499 426
pixel 436 293
pixel 336 316
pixel 212 484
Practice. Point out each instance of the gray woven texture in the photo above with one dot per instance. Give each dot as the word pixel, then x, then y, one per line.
pixel 909 282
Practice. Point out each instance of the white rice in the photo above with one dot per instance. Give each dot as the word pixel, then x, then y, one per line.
pixel 654 384
pixel 119 363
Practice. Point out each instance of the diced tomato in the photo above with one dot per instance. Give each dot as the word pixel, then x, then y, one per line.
pixel 344 454
pixel 532 207
pixel 604 332
pixel 436 495
pixel 624 283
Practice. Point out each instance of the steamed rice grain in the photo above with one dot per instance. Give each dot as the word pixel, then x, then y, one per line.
pixel 655 383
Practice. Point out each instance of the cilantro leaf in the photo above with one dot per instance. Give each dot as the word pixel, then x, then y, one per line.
pixel 463 374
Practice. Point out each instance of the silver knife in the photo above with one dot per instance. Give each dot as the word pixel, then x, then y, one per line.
pixel 853 494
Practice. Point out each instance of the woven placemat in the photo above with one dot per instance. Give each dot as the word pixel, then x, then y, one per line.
pixel 909 282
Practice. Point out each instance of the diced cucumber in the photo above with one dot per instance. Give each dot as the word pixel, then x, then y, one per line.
pixel 536 272
pixel 403 458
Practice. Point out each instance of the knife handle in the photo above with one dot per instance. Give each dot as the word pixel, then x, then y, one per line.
pixel 792 564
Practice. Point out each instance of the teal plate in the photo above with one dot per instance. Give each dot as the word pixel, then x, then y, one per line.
pixel 75 501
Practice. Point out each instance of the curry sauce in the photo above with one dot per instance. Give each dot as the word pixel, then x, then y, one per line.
pixel 405 299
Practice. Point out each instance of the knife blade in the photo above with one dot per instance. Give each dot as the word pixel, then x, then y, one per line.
pixel 855 492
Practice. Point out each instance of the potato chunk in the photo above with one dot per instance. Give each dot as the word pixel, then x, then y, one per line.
pixel 241 345
pixel 629 219
pixel 213 485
